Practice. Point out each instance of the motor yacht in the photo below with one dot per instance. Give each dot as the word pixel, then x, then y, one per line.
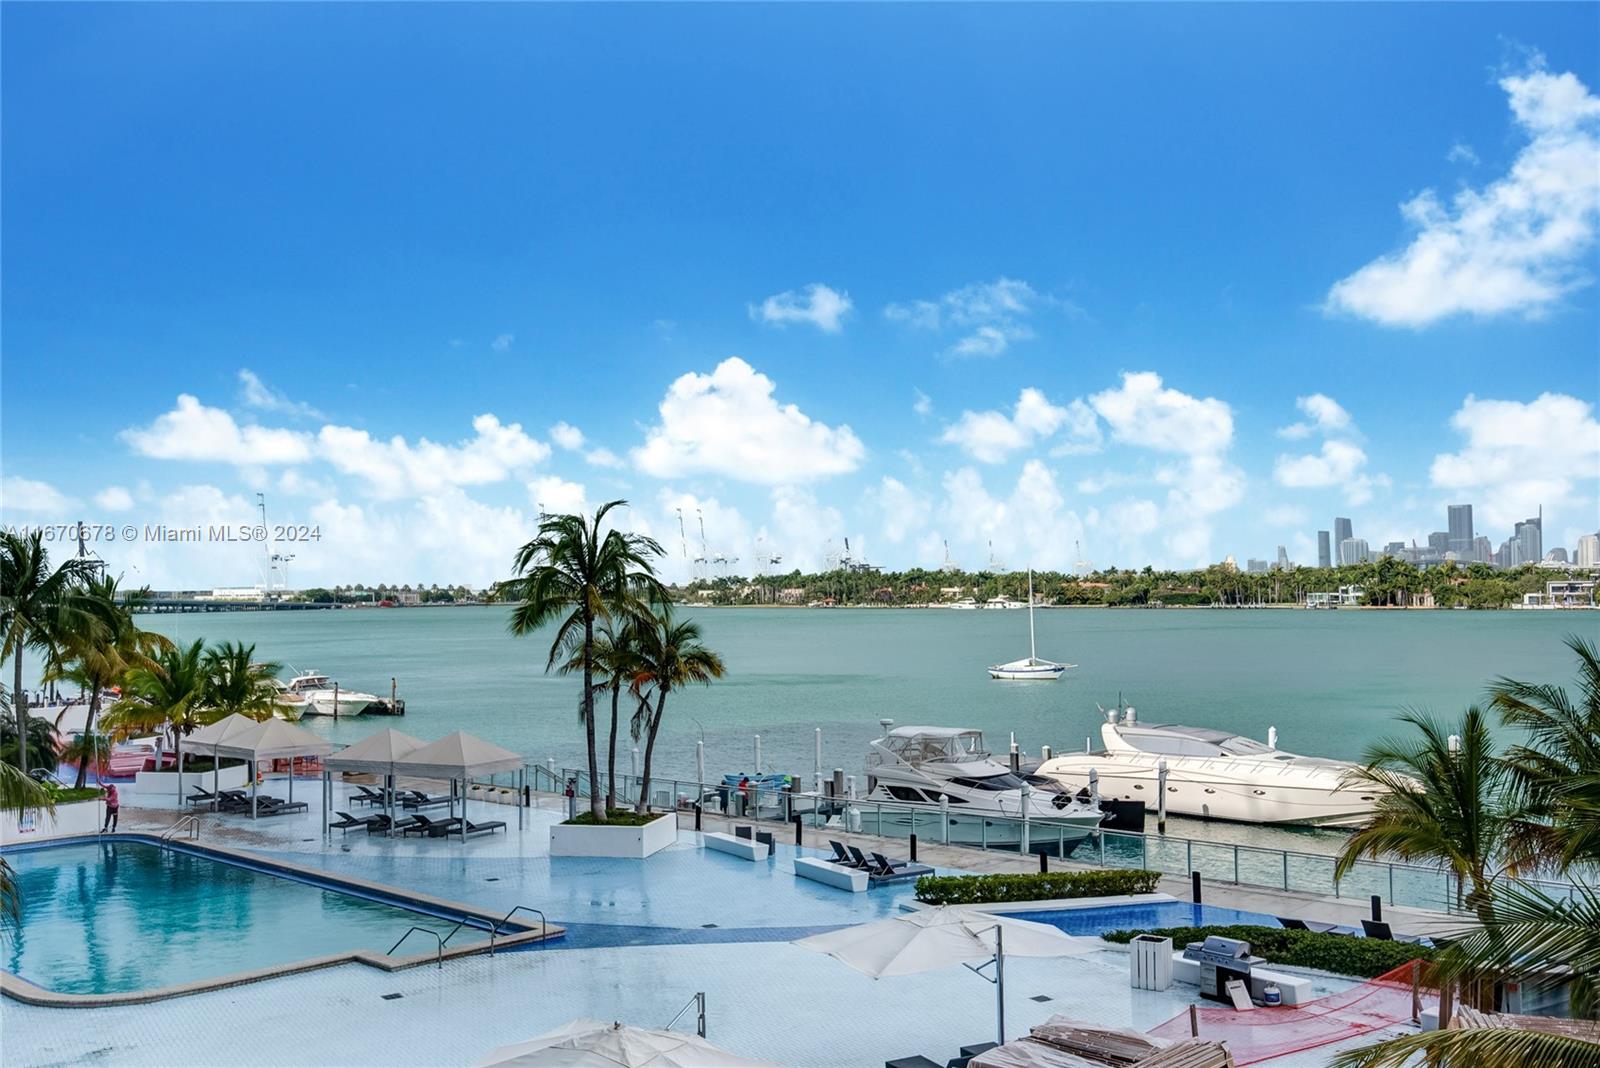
pixel 287 705
pixel 1214 774
pixel 921 771
pixel 323 697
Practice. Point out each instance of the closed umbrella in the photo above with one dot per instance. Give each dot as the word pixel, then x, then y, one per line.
pixel 595 1044
pixel 928 939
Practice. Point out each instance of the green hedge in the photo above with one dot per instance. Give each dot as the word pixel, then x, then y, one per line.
pixel 1340 954
pixel 1035 886
pixel 65 795
pixel 616 817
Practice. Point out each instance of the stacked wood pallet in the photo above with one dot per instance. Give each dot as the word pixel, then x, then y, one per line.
pixel 1062 1042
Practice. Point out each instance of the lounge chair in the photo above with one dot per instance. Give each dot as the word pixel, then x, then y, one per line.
pixel 839 854
pixel 201 796
pixel 420 824
pixel 861 860
pixel 884 866
pixel 381 823
pixel 366 796
pixel 1380 929
pixel 485 828
pixel 347 821
pixel 418 799
pixel 969 1052
pixel 1288 923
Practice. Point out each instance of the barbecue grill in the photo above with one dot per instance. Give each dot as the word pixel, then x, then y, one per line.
pixel 1220 960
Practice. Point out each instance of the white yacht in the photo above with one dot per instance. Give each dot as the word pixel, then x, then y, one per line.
pixel 1002 601
pixel 287 705
pixel 1031 667
pixel 965 604
pixel 915 767
pixel 1215 775
pixel 323 697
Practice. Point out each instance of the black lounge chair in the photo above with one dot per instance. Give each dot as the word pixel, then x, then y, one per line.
pixel 201 796
pixel 969 1052
pixel 861 860
pixel 840 855
pixel 380 823
pixel 367 796
pixel 347 821
pixel 418 799
pixel 432 828
pixel 1290 924
pixel 883 865
pixel 1380 929
pixel 485 828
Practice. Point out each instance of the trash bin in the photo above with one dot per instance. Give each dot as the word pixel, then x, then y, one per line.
pixel 1150 963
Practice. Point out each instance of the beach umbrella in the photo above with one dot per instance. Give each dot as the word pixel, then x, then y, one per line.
pixel 595 1044
pixel 929 939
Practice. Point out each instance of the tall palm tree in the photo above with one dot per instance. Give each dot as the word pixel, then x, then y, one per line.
pixel 103 646
pixel 576 576
pixel 235 683
pixel 1441 803
pixel 170 691
pixel 615 659
pixel 18 793
pixel 671 657
pixel 38 608
pixel 1558 764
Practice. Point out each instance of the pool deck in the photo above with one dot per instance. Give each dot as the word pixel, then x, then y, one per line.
pixel 641 938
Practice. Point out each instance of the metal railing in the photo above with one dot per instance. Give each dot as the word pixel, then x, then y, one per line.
pixel 190 823
pixel 439 957
pixel 1397 883
pixel 698 1003
pixel 494 931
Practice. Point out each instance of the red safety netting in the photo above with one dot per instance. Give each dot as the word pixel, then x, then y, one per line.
pixel 1262 1034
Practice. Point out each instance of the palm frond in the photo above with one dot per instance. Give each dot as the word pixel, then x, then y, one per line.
pixel 1478 1047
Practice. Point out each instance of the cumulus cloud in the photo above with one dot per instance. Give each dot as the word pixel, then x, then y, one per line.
pixel 902 511
pixel 729 423
pixel 114 499
pixel 1338 462
pixel 257 394
pixel 1516 246
pixel 1519 455
pixel 1030 525
pixel 19 494
pixel 921 403
pixel 1334 465
pixel 816 304
pixel 397 468
pixel 1323 415
pixel 989 316
pixel 193 431
pixel 503 342
pixel 567 436
pixel 557 496
pixel 991 436
pixel 1143 412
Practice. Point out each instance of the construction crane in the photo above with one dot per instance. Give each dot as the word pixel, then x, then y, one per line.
pixel 995 567
pixel 1083 565
pixel 701 561
pixel 949 564
pixel 274 565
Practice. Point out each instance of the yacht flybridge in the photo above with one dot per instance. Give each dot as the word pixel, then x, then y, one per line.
pixel 1031 667
pixel 950 769
pixel 1214 774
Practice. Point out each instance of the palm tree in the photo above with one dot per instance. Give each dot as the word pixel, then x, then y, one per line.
pixel 576 577
pixel 615 659
pixel 172 691
pixel 38 608
pixel 1441 802
pixel 1558 766
pixel 17 793
pixel 670 658
pixel 103 646
pixel 235 683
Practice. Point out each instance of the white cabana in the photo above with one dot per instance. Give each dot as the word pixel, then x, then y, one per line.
pixel 459 757
pixel 374 754
pixel 593 1044
pixel 933 938
pixel 206 739
pixel 268 740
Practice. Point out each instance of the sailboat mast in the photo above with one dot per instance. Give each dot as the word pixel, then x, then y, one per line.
pixel 1033 652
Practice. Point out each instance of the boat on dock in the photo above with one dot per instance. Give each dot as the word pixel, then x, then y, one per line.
pixel 321 696
pixel 1214 774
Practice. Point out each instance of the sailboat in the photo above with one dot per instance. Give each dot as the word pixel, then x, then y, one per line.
pixel 1032 667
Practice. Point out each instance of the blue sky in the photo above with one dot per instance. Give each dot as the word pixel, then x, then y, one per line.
pixel 1172 282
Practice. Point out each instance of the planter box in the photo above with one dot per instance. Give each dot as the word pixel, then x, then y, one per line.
pixel 582 840
pixel 159 789
pixel 80 817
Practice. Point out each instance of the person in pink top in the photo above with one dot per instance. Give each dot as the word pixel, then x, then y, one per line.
pixel 112 804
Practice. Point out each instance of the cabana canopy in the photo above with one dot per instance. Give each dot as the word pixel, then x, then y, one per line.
pixel 375 753
pixel 457 756
pixel 272 738
pixel 207 738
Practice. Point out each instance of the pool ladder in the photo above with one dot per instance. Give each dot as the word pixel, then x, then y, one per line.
pixel 494 932
pixel 190 823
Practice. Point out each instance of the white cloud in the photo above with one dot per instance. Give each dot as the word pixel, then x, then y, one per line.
pixel 1518 456
pixel 257 394
pixel 1323 414
pixel 192 431
pixel 503 342
pixel 817 304
pixel 1285 515
pixel 988 314
pixel 396 468
pixel 921 403
pixel 902 511
pixel 557 496
pixel 114 499
pixel 603 458
pixel 1336 464
pixel 1133 518
pixel 567 436
pixel 808 528
pixel 19 494
pixel 1142 412
pixel 1516 246
pixel 728 423
pixel 1462 153
pixel 991 436
pixel 1029 526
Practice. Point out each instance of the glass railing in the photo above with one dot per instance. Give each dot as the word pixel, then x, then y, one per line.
pixel 1407 885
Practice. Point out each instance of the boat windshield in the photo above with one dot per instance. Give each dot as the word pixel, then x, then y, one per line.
pixel 1244 747
pixel 1003 781
pixel 960 748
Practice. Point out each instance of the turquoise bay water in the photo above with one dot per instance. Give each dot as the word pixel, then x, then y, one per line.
pixel 1330 682
pixel 113 916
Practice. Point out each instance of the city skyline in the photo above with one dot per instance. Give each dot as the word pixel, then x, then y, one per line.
pixel 957 308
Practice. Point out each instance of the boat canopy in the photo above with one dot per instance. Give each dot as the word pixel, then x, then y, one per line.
pixel 1173 739
pixel 936 745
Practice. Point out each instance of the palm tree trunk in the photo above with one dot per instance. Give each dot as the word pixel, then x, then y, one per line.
pixel 88 736
pixel 597 800
pixel 19 701
pixel 611 749
pixel 649 752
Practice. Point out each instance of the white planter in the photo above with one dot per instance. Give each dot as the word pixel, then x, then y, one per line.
pixel 160 789
pixel 579 840
pixel 80 817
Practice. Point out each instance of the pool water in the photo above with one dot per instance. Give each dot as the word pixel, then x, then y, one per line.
pixel 1142 916
pixel 119 916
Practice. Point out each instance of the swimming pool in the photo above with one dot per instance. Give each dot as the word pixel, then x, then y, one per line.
pixel 118 916
pixel 1142 915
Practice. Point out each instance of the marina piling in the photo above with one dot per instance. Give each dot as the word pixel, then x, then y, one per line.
pixel 1194 885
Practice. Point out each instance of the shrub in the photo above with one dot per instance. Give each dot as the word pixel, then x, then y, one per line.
pixel 1035 886
pixel 1340 954
pixel 616 817
pixel 65 795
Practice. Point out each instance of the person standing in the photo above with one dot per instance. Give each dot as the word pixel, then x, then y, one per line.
pixel 113 803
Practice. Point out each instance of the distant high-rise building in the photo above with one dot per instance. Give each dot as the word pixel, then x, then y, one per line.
pixel 1460 533
pixel 1342 532
pixel 1255 567
pixel 1395 548
pixel 1482 550
pixel 1588 554
pixel 1283 558
pixel 1558 555
pixel 1324 550
pixel 1529 536
pixel 1441 542
pixel 1352 550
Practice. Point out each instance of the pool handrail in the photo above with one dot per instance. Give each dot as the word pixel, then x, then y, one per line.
pixel 439 959
pixel 494 931
pixel 698 1003
pixel 191 823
